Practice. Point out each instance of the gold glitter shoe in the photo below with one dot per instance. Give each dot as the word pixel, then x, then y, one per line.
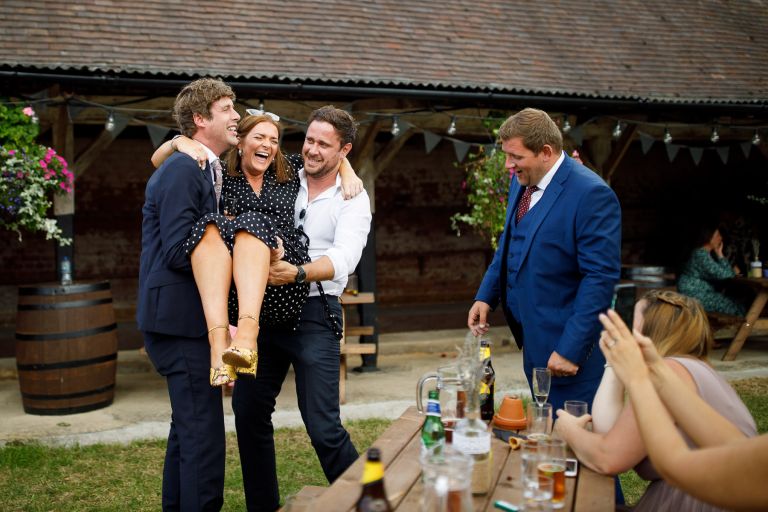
pixel 222 375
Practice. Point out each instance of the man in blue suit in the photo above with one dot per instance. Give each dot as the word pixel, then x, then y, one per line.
pixel 557 261
pixel 169 311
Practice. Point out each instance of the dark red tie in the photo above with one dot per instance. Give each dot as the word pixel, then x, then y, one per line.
pixel 525 202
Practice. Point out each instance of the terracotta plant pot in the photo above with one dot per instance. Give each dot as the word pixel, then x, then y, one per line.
pixel 511 415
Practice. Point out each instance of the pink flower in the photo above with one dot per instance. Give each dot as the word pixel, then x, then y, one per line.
pixel 20 175
pixel 28 111
pixel 11 152
pixel 575 156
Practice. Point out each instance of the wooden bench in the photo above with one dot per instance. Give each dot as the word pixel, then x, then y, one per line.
pixel 349 349
pixel 724 326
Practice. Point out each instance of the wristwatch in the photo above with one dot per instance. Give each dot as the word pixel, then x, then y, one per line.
pixel 301 275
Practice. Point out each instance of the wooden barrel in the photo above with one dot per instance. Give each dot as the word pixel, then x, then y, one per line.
pixel 66 348
pixel 647 278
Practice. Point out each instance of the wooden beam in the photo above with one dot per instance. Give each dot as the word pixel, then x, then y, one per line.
pixel 94 151
pixel 390 151
pixel 366 148
pixel 617 155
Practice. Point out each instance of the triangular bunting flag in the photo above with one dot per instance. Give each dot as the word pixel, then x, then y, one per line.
pixel 40 95
pixel 461 148
pixel 746 148
pixel 157 134
pixel 696 154
pixel 431 140
pixel 672 150
pixel 646 141
pixel 121 122
pixel 74 110
pixel 577 135
pixel 723 153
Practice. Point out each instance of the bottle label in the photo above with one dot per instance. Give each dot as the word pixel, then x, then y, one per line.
pixel 433 408
pixel 372 471
pixel 475 445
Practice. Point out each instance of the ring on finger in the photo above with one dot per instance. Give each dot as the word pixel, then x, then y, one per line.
pixel 610 343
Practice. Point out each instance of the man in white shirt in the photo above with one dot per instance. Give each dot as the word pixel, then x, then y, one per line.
pixel 337 231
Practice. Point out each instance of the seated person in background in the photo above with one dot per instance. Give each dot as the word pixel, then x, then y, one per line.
pixel 728 470
pixel 680 331
pixel 705 268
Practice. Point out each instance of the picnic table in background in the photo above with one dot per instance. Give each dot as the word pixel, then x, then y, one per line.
pixel 753 322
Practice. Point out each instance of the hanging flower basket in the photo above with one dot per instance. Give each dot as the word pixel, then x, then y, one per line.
pixel 30 174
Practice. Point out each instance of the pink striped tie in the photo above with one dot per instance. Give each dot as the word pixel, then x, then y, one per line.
pixel 525 202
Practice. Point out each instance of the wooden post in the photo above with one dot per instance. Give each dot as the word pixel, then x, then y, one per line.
pixel 64 204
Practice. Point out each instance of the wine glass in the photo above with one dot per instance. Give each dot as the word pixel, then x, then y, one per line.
pixel 542 378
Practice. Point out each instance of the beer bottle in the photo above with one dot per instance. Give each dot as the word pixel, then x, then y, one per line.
pixel 373 498
pixel 488 384
pixel 433 432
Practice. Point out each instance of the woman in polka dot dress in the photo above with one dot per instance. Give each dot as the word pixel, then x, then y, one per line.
pixel 255 226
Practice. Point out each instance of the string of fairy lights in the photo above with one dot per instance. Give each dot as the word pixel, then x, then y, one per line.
pixel 118 116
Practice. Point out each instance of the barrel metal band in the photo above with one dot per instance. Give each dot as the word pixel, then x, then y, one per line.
pixel 65 305
pixel 66 410
pixel 66 335
pixel 68 396
pixel 65 364
pixel 63 290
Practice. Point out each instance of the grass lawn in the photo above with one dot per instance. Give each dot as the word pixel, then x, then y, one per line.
pixel 117 477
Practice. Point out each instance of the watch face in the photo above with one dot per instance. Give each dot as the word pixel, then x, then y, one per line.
pixel 301 275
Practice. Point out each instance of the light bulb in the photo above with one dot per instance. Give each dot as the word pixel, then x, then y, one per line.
pixel 617 130
pixel 395 127
pixel 261 105
pixel 110 124
pixel 667 136
pixel 756 138
pixel 566 126
pixel 715 136
pixel 452 128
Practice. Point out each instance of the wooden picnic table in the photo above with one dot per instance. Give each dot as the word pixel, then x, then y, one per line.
pixel 400 447
pixel 348 349
pixel 753 320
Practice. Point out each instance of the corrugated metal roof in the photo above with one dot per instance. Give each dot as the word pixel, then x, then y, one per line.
pixel 649 50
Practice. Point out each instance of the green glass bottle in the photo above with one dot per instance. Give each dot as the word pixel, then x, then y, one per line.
pixel 433 432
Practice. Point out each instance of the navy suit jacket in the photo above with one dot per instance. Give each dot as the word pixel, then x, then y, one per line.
pixel 569 260
pixel 177 195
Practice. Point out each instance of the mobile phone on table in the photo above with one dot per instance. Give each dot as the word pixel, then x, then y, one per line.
pixel 623 302
pixel 571 467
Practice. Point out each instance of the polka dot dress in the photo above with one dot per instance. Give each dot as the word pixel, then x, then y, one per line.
pixel 268 215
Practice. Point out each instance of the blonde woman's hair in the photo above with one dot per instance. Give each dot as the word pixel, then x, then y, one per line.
pixel 677 324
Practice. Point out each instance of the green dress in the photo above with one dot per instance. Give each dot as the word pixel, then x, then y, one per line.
pixel 697 280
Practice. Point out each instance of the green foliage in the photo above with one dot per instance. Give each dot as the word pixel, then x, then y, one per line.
pixel 487 187
pixel 18 129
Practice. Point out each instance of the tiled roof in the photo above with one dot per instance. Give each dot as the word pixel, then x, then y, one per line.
pixel 655 50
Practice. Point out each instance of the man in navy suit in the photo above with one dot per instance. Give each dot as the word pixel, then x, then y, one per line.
pixel 169 311
pixel 557 261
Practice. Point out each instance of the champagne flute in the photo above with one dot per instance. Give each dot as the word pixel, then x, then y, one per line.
pixel 542 378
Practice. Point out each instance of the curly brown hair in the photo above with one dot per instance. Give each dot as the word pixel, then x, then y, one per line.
pixel 196 98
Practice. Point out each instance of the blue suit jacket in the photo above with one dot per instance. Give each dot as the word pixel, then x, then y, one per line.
pixel 570 259
pixel 177 195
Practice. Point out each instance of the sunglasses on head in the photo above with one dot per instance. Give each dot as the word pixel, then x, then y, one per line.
pixel 257 112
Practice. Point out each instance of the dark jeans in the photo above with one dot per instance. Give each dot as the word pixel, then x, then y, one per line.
pixel 313 351
pixel 193 474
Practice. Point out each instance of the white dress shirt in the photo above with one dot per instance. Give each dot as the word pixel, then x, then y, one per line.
pixel 545 180
pixel 336 228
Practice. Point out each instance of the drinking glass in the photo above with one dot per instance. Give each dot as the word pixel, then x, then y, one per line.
pixel 539 421
pixel 552 465
pixel 529 466
pixel 576 407
pixel 542 378
pixel 539 497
